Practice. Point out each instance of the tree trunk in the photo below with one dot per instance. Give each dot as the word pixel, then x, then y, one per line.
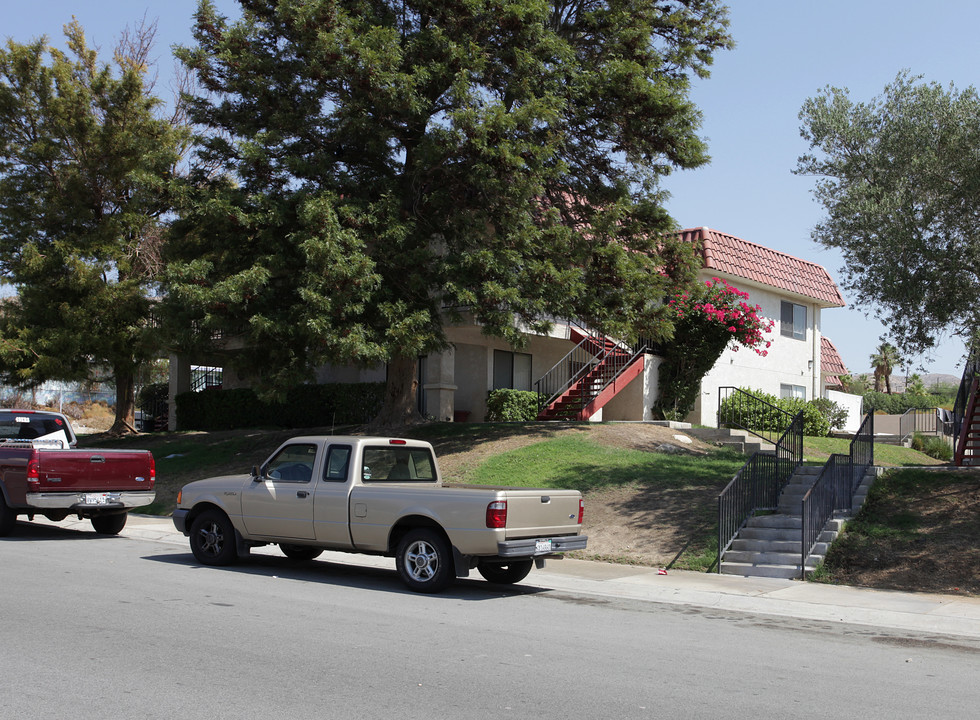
pixel 400 407
pixel 125 403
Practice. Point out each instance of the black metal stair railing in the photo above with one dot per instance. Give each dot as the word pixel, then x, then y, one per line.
pixel 834 489
pixel 756 487
pixel 742 410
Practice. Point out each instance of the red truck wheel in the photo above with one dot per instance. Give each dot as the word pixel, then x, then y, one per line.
pixel 424 561
pixel 8 518
pixel 109 524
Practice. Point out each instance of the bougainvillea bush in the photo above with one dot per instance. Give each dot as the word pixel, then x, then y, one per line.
pixel 712 317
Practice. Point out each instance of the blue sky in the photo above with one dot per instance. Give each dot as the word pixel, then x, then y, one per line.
pixel 787 51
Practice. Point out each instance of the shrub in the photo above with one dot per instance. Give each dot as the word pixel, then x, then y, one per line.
pixel 934 447
pixel 762 417
pixel 305 406
pixel 897 404
pixel 836 414
pixel 512 406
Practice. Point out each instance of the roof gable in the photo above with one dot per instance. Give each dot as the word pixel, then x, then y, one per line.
pixel 728 254
pixel 830 360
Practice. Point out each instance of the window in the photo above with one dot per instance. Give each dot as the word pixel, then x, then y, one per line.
pixel 792 391
pixel 294 463
pixel 335 469
pixel 792 320
pixel 398 464
pixel 511 370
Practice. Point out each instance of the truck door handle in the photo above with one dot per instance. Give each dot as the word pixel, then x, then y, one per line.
pixel 97 459
pixel 301 493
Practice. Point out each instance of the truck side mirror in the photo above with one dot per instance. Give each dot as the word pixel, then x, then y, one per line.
pixel 256 476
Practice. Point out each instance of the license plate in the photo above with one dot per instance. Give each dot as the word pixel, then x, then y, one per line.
pixel 542 546
pixel 95 499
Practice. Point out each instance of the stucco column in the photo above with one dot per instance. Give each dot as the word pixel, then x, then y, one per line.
pixel 180 382
pixel 440 385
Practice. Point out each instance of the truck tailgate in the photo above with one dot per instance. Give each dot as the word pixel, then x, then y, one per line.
pixel 94 471
pixel 533 513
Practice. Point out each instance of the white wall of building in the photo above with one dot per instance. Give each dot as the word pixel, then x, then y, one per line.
pixel 789 361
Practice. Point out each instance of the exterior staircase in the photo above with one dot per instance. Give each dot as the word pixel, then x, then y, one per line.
pixel 968 445
pixel 597 369
pixel 771 544
pixel 739 440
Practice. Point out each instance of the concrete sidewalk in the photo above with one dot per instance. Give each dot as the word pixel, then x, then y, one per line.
pixel 915 612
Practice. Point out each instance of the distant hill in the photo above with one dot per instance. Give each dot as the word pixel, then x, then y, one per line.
pixel 929 380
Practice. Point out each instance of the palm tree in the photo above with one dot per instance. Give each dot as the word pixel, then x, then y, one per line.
pixel 883 360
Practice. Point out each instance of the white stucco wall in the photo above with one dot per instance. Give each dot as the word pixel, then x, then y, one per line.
pixel 789 361
pixel 474 363
pixel 636 399
pixel 854 404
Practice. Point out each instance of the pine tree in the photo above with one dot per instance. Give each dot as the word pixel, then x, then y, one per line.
pixel 84 160
pixel 376 170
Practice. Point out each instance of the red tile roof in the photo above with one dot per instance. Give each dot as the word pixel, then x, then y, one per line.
pixel 830 360
pixel 728 254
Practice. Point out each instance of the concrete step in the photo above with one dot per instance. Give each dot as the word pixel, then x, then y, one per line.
pixel 765 570
pixel 775 520
pixel 762 558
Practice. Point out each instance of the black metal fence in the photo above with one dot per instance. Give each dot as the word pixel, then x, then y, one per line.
pixel 834 489
pixel 758 484
pixel 744 411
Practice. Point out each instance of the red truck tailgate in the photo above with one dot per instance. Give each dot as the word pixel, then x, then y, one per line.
pixel 94 470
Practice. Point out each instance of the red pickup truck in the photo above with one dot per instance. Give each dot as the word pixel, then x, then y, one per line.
pixel 42 473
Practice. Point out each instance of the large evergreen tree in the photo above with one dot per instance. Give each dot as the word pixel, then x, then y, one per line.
pixel 84 159
pixel 384 166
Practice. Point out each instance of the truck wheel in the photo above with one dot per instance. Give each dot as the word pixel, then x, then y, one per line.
pixel 300 552
pixel 8 518
pixel 213 539
pixel 424 561
pixel 109 524
pixel 506 573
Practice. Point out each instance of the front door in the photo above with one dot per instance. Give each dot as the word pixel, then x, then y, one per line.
pixel 279 503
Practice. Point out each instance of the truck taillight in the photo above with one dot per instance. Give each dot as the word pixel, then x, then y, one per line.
pixel 33 474
pixel 581 510
pixel 497 514
pixel 153 471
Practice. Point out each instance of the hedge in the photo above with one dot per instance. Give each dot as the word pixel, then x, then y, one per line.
pixel 512 406
pixel 761 417
pixel 305 406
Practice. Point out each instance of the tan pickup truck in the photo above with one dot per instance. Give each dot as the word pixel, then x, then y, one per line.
pixel 378 496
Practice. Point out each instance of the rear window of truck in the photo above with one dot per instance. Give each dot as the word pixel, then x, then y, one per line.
pixel 397 464
pixel 31 426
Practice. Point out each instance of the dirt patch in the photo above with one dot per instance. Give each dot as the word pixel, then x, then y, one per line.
pixel 925 539
pixel 636 525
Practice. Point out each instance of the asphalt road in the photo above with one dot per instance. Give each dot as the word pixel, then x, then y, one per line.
pixel 98 627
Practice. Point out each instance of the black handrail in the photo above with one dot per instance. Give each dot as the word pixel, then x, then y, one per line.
pixel 970 371
pixel 834 489
pixel 758 484
pixel 744 411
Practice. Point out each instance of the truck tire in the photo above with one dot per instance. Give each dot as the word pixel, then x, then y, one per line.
pixel 8 518
pixel 109 524
pixel 213 539
pixel 300 552
pixel 424 561
pixel 505 573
